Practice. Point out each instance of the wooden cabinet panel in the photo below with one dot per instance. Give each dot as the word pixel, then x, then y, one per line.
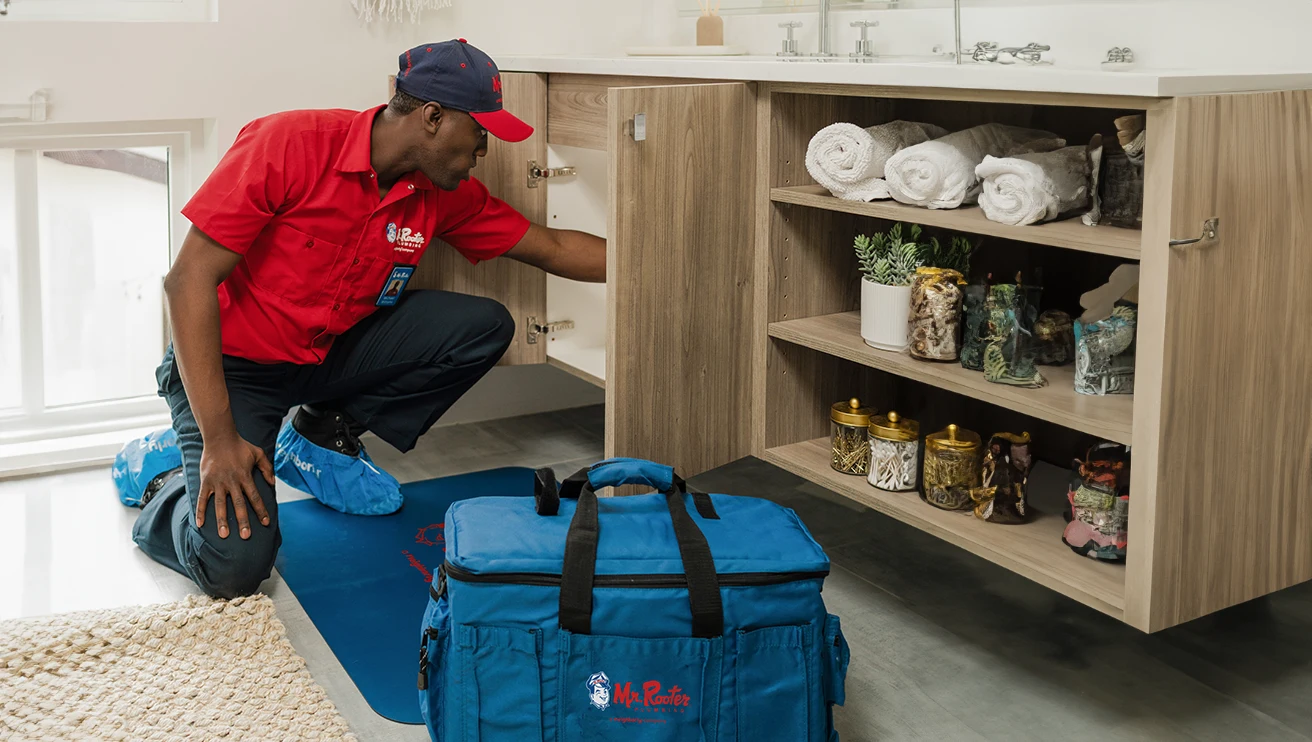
pixel 522 288
pixel 577 108
pixel 680 275
pixel 1231 518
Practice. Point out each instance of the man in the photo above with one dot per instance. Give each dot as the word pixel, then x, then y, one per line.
pixel 285 293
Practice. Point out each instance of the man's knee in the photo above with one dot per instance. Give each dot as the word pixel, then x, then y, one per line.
pixel 477 328
pixel 232 567
pixel 496 323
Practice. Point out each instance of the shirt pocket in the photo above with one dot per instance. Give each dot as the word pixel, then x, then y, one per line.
pixel 293 265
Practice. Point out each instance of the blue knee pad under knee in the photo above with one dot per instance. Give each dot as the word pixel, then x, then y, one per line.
pixel 350 484
pixel 142 460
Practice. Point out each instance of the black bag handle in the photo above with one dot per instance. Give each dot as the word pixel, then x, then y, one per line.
pixel 580 567
pixel 547 494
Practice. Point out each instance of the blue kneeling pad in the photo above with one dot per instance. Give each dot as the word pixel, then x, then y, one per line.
pixel 349 484
pixel 142 460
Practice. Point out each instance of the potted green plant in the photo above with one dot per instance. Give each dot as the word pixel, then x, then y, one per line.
pixel 954 255
pixel 888 260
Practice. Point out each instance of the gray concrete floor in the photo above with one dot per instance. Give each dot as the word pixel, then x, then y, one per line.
pixel 945 646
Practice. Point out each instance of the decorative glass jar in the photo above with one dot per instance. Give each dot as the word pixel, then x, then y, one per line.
pixel 934 329
pixel 849 426
pixel 952 460
pixel 894 452
pixel 1003 494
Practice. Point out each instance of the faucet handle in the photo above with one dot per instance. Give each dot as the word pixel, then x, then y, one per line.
pixel 789 44
pixel 864 47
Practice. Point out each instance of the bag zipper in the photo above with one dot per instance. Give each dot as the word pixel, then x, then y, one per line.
pixel 545 579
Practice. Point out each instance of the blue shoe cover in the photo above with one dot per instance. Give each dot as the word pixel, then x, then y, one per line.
pixel 141 461
pixel 344 483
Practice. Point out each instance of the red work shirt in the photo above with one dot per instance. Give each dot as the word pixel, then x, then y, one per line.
pixel 297 197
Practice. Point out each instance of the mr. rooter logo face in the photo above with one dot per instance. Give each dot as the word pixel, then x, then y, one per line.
pixel 602 693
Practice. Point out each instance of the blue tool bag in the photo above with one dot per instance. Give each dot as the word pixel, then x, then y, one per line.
pixel 670 616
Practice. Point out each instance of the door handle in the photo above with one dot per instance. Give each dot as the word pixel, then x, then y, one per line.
pixel 1209 233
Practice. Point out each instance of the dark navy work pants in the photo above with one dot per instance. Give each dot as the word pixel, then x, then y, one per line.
pixel 396 372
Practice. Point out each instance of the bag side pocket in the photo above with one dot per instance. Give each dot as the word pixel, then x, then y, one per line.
pixel 501 681
pixel 774 683
pixel 434 637
pixel 836 657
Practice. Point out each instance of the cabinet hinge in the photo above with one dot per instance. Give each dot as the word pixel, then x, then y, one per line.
pixel 536 328
pixel 536 174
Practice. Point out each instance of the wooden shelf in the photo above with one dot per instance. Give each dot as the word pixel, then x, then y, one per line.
pixel 585 362
pixel 1070 233
pixel 1033 550
pixel 1109 417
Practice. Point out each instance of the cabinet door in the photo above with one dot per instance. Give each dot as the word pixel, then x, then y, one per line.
pixel 522 288
pixel 679 274
pixel 1229 427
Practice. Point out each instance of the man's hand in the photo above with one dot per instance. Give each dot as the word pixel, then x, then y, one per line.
pixel 227 460
pixel 225 471
pixel 566 253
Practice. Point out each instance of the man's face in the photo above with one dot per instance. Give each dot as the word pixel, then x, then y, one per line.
pixel 453 143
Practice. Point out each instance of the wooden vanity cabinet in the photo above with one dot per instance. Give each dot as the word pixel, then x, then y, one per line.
pixel 732 292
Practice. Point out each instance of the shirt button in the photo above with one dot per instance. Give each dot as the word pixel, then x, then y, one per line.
pixel 371 176
pixel 355 262
pixel 336 307
pixel 412 188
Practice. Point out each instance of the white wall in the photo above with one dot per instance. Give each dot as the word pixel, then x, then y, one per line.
pixel 263 56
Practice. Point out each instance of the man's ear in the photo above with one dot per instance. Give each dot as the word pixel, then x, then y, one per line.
pixel 432 115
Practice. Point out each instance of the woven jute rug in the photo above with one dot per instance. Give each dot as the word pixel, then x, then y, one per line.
pixel 197 669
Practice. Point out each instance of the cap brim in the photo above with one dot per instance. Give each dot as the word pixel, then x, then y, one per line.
pixel 504 125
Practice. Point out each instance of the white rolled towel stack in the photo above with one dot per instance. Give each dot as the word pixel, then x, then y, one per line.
pixel 940 174
pixel 849 160
pixel 1032 188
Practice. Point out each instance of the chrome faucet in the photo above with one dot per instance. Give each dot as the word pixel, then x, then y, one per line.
pixel 824 50
pixel 790 44
pixel 865 48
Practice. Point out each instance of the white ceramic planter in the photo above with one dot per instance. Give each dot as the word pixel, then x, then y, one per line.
pixel 884 312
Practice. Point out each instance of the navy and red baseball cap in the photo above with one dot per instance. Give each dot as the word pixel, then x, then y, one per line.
pixel 456 74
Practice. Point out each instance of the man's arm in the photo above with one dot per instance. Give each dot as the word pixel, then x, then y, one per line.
pixel 565 253
pixel 191 288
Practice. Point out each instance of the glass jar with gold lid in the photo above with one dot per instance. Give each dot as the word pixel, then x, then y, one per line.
pixel 849 425
pixel 894 452
pixel 952 458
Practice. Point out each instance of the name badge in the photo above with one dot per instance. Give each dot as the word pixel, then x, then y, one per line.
pixel 395 284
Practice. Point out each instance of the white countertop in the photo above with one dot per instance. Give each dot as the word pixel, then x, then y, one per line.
pixel 1051 79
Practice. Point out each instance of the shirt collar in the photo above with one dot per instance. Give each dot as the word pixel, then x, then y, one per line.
pixel 355 154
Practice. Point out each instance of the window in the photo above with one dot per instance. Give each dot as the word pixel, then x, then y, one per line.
pixel 86 236
pixel 106 10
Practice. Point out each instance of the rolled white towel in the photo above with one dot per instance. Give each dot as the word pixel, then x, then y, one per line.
pixel 849 160
pixel 1032 188
pixel 940 174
